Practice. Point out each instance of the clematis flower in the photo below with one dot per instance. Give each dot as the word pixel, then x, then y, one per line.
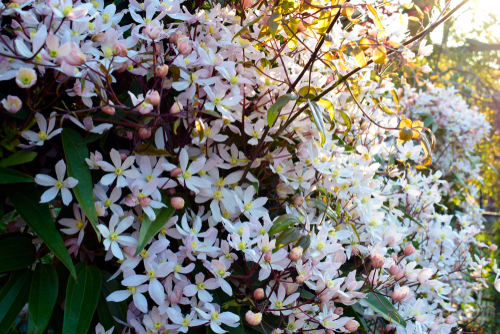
pixel 118 171
pixel 216 318
pixel 45 131
pixel 76 225
pixel 200 288
pixel 12 104
pixel 187 177
pixel 112 235
pixel 60 184
pixel 25 77
pixel 191 320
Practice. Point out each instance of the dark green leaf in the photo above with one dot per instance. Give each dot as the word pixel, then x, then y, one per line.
pixel 350 312
pixel 283 223
pixel 287 237
pixel 81 299
pixel 26 198
pixel 323 208
pixel 108 311
pixel 304 242
pixel 8 175
pixel 380 304
pixel 150 229
pixel 18 158
pixel 274 22
pixel 273 112
pixel 16 253
pixel 43 295
pixel 78 168
pixel 13 298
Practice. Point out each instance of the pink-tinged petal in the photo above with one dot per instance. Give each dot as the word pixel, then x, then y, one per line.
pixel 118 296
pixel 60 170
pixel 116 158
pixel 66 196
pixel 127 241
pixel 226 287
pixel 112 223
pixel 190 290
pixel 211 284
pixel 115 249
pixel 248 195
pixel 183 159
pixel 135 280
pixel 70 182
pixel 54 133
pixel 264 273
pixel 108 179
pixel 49 195
pixel 175 316
pixel 107 244
pixel 106 166
pixel 156 291
pixel 121 182
pixel 115 195
pixel 45 180
pixel 104 231
pixel 133 174
pixel 124 224
pixel 259 202
pixel 141 302
pixel 128 162
pixel 204 296
pixel 197 165
pixel 291 298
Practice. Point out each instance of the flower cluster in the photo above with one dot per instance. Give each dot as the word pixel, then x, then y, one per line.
pixel 251 165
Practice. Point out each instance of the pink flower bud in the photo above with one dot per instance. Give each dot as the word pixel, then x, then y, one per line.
pixel 296 253
pixel 239 68
pixel 175 37
pixel 176 107
pixel 390 327
pixel 108 109
pixel 130 135
pixel 162 71
pixel 329 80
pixel 493 248
pixel 183 46
pixel 75 57
pixel 120 50
pixel 253 319
pixel 153 97
pixel 177 203
pixel 176 172
pixel 329 331
pixel 268 256
pixel 300 279
pixel 338 311
pixel 170 191
pixel 12 104
pixel 145 201
pixel 394 270
pixel 394 257
pixel 409 250
pixel 144 133
pixel 378 261
pixel 352 325
pixel 399 275
pixel 130 200
pixel 259 294
pixel 400 293
pixel 123 156
pixel 450 320
pixel 153 30
pixel 298 201
pixel 246 4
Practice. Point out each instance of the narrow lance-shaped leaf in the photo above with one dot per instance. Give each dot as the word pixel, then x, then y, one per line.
pixel 318 119
pixel 43 295
pixel 13 298
pixel 81 299
pixel 246 26
pixel 150 228
pixel 16 253
pixel 18 158
pixel 110 311
pixel 26 200
pixel 78 168
pixel 380 304
pixel 273 112
pixel 8 175
pixel 274 23
pixel 282 223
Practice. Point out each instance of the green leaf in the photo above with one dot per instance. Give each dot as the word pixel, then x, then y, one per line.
pixel 108 311
pixel 459 179
pixel 323 208
pixel 16 253
pixel 283 223
pixel 304 242
pixel 287 237
pixel 355 231
pixel 26 198
pixel 274 23
pixel 347 120
pixel 350 312
pixel 13 298
pixel 380 304
pixel 273 112
pixel 18 158
pixel 43 295
pixel 81 299
pixel 246 26
pixel 78 168
pixel 317 113
pixel 149 229
pixel 8 175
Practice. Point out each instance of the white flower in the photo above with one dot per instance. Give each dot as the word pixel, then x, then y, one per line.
pixel 118 171
pixel 45 132
pixel 110 202
pixel 216 318
pixel 60 184
pixel 112 237
pixel 200 287
pixel 184 323
pixel 12 104
pixel 251 207
pixel 25 77
pixel 186 177
pixel 75 225
pixel 279 302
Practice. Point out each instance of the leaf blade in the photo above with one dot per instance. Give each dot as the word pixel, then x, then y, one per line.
pixel 43 295
pixel 150 229
pixel 8 176
pixel 16 253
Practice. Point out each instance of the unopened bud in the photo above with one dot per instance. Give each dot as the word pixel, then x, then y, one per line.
pixel 109 109
pixel 338 311
pixel 176 172
pixel 177 203
pixel 144 133
pixel 378 261
pixel 129 135
pixel 176 107
pixel 170 191
pixel 153 97
pixel 123 156
pixel 394 270
pixel 145 201
pixel 399 275
pixel 390 327
pixel 259 294
pixel 493 248
pixel 298 201
pixel 400 293
pixel 184 47
pixel 409 250
pixel 296 253
pixel 253 319
pixel 268 256
pixel 162 71
pixel 352 325
pixel 120 50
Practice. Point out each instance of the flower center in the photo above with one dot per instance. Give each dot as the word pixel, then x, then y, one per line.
pixel 59 184
pixel 105 17
pixel 107 203
pixel 217 194
pixel 321 245
pixel 186 174
pixel 157 325
pixel 144 254
pixel 215 316
pixel 151 273
pixel 185 323
pixel 80 225
pixel 228 256
pixel 221 272
pixel 131 289
pixel 242 244
pixel 248 206
pixel 255 134
pixel 149 177
pixel 67 10
pixel 118 171
pixel 201 286
pixel 113 237
pixel 177 268
pixel 279 304
pixel 217 100
pixel 42 135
